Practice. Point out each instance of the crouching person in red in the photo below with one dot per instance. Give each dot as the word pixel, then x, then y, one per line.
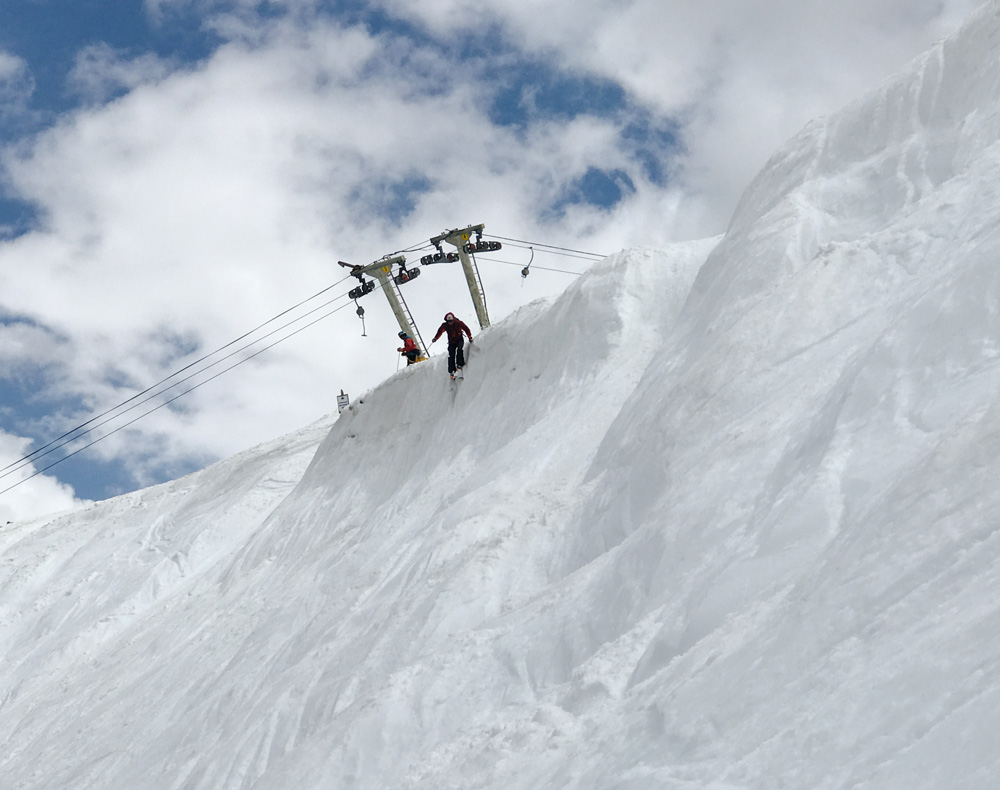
pixel 408 349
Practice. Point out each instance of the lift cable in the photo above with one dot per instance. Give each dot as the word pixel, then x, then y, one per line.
pixel 555 252
pixel 171 400
pixel 57 444
pixel 550 247
pixel 534 267
pixel 68 436
pixel 420 245
pixel 415 248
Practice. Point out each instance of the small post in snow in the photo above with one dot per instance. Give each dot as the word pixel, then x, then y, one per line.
pixel 343 401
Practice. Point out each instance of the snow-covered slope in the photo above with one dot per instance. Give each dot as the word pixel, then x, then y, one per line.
pixel 722 516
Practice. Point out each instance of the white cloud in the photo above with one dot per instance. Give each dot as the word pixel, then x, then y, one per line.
pixel 16 84
pixel 30 496
pixel 100 72
pixel 739 77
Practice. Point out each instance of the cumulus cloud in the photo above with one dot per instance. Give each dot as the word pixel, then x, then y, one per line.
pixel 100 72
pixel 30 495
pixel 734 80
pixel 16 84
pixel 738 78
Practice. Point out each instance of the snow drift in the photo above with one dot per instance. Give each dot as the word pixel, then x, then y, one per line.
pixel 722 516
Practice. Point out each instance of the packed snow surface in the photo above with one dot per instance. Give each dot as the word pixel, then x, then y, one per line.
pixel 724 515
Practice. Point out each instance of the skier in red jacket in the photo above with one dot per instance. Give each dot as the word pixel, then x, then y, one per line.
pixel 456 343
pixel 409 348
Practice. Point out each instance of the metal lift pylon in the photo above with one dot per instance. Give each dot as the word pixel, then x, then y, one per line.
pixel 382 271
pixel 461 239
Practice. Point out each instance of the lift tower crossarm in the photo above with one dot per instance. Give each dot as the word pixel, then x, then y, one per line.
pixel 383 265
pixel 458 239
pixel 453 237
pixel 381 270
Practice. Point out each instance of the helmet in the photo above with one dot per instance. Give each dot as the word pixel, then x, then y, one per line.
pixel 402 334
pixel 449 317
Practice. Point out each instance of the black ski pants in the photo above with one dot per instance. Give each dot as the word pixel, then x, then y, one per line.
pixel 456 354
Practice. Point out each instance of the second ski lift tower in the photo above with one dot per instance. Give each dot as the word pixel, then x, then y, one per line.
pixel 381 270
pixel 462 240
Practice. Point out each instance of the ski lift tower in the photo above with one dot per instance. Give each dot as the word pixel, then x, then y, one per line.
pixel 381 270
pixel 462 240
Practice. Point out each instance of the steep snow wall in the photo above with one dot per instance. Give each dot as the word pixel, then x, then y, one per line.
pixel 834 380
pixel 229 631
pixel 722 516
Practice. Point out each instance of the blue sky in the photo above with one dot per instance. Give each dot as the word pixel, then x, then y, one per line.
pixel 175 172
